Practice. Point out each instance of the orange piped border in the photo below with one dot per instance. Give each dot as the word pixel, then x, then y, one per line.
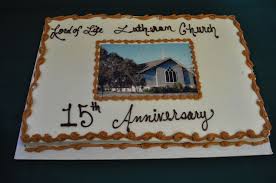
pixel 144 145
pixel 131 135
pixel 196 96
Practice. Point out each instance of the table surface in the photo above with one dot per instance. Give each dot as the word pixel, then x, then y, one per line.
pixel 20 30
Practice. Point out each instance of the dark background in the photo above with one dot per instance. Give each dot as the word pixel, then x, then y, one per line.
pixel 21 26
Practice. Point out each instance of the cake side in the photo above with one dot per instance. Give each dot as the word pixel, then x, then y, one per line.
pixel 196 137
pixel 77 146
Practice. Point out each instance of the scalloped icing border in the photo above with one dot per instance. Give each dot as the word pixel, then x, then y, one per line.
pixel 196 96
pixel 144 145
pixel 131 135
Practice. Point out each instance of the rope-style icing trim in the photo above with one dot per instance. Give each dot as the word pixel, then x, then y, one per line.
pixel 144 145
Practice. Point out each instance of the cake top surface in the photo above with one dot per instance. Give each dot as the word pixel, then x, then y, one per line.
pixel 133 76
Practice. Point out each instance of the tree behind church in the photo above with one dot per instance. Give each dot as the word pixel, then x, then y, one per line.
pixel 118 72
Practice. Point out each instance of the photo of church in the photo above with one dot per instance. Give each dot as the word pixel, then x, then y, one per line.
pixel 146 69
pixel 167 72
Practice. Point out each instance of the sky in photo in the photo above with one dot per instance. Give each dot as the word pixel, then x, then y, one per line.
pixel 142 53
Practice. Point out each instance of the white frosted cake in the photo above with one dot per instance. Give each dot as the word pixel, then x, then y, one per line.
pixel 125 81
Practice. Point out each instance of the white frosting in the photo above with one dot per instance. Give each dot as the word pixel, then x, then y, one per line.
pixel 67 76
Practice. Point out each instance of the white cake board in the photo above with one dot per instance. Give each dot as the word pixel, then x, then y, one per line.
pixel 138 153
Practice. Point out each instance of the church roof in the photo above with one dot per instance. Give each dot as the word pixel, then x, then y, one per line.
pixel 154 63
